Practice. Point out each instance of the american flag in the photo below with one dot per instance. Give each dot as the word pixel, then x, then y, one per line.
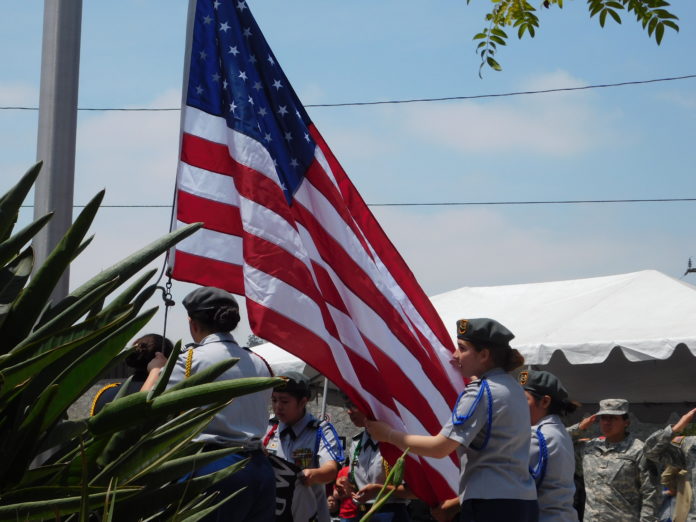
pixel 286 228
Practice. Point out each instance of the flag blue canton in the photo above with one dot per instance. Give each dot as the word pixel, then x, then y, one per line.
pixel 234 74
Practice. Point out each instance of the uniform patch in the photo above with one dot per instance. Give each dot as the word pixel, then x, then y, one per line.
pixel 677 441
pixel 524 377
pixel 303 457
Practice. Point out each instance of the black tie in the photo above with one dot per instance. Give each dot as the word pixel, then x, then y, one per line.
pixel 288 431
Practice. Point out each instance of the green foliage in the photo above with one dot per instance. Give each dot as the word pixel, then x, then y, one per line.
pixel 125 462
pixel 653 15
pixel 394 479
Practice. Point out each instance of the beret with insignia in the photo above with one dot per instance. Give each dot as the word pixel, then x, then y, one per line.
pixel 484 331
pixel 208 298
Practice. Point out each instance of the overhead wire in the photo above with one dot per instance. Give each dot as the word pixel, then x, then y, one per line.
pixel 402 101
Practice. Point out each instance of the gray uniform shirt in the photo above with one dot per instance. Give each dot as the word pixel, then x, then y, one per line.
pixel 618 484
pixel 665 448
pixel 367 465
pixel 556 488
pixel 307 450
pixel 244 421
pixel 501 469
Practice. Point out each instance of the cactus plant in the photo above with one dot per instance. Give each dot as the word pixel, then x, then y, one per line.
pixel 126 462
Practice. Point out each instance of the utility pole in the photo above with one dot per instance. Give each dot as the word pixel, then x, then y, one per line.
pixel 60 72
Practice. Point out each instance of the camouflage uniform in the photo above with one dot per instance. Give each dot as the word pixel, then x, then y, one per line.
pixel 618 484
pixel 665 448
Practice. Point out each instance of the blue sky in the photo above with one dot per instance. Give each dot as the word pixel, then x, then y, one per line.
pixel 627 142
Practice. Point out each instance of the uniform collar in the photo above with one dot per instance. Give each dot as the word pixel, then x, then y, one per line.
pixel 217 338
pixel 299 426
pixel 368 441
pixel 549 419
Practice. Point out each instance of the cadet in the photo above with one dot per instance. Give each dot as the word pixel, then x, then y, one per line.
pixel 368 472
pixel 618 483
pixel 297 436
pixel 212 314
pixel 489 428
pixel 551 457
pixel 144 351
pixel 669 448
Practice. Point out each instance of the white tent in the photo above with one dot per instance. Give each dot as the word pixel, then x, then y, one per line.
pixel 629 335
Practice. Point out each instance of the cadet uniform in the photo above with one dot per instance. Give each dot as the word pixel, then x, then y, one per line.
pixel 551 455
pixel 666 449
pixel 491 423
pixel 308 443
pixel 241 423
pixel 368 467
pixel 618 484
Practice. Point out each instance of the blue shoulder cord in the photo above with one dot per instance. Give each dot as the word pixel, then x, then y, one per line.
pixel 321 437
pixel 539 471
pixel 460 419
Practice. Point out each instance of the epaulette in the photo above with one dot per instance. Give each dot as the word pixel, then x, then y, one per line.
pixel 99 394
pixel 677 441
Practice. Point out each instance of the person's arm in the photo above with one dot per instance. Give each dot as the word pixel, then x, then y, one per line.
pixel 650 493
pixel 154 367
pixel 322 475
pixel 446 511
pixel 370 492
pixel 580 430
pixel 659 448
pixel 437 446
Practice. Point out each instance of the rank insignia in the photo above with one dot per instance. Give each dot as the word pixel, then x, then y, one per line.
pixel 462 326
pixel 677 441
pixel 524 377
pixel 303 458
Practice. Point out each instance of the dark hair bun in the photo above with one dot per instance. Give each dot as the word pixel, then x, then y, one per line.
pixel 226 318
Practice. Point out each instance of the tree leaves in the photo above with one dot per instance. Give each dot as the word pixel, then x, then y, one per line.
pixel 651 14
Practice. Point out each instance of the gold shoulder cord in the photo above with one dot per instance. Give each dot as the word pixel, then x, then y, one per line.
pixel 189 361
pixel 99 394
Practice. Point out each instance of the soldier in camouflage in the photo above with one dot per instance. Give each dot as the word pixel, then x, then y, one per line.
pixel 667 447
pixel 618 483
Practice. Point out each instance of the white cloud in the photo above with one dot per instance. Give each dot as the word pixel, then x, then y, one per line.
pixel 131 154
pixel 557 124
pixel 22 94
pixel 680 99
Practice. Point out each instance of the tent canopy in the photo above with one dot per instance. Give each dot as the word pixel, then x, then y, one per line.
pixel 631 323
pixel 646 314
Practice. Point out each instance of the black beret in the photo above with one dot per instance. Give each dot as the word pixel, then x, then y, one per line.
pixel 484 331
pixel 208 298
pixel 543 383
pixel 296 384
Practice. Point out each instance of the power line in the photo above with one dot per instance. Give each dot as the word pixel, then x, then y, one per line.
pixel 467 203
pixel 393 102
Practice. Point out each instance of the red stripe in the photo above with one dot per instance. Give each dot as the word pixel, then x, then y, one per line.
pixel 353 277
pixel 382 245
pixel 215 215
pixel 207 155
pixel 208 272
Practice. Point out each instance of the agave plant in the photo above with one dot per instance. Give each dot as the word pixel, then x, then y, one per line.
pixel 127 462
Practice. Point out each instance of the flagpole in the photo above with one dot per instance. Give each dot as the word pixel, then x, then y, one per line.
pixel 60 71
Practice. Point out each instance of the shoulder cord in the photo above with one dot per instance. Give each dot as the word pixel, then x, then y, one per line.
pixel 356 454
pixel 270 435
pixel 539 472
pixel 99 394
pixel 460 419
pixel 189 362
pixel 321 437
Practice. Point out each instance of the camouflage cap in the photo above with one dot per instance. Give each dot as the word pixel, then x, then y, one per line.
pixel 484 331
pixel 613 407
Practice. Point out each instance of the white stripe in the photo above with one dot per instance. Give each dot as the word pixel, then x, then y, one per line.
pixel 213 245
pixel 208 185
pixel 242 148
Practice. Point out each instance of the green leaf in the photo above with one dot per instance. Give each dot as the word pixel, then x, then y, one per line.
pixel 614 15
pixel 46 509
pixel 659 33
pixel 129 293
pixel 493 64
pixel 12 280
pixel 206 375
pixel 165 373
pixel 11 247
pixel 176 468
pixel 11 202
pixel 26 309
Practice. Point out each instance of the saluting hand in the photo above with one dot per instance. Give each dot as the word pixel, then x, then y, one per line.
pixel 686 419
pixel 587 422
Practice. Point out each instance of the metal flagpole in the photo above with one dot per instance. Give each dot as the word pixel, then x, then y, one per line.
pixel 60 68
pixel 323 398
